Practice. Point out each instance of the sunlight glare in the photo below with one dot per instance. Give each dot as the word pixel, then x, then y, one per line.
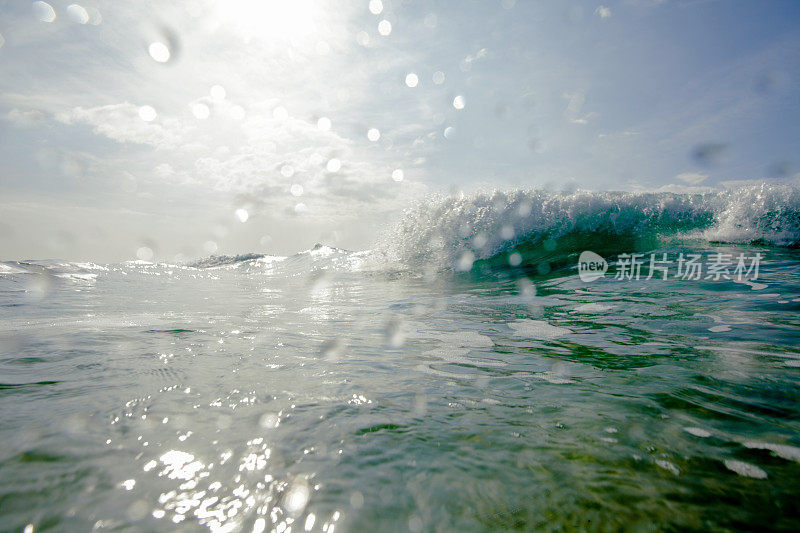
pixel 270 20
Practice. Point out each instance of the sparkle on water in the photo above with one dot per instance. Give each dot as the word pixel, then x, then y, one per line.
pixel 268 393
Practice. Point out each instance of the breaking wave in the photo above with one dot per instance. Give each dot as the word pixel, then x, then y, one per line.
pixel 455 232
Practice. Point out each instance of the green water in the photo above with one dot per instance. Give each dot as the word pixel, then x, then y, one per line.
pixel 308 394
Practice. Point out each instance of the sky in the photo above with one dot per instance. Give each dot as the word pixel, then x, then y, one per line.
pixel 169 131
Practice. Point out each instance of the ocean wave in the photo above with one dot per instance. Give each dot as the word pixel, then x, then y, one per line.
pixel 457 231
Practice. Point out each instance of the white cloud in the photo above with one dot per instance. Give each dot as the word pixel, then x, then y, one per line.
pixel 603 12
pixel 692 177
pixel 25 118
pixel 122 123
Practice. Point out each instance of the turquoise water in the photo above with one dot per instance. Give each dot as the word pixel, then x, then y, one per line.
pixel 318 392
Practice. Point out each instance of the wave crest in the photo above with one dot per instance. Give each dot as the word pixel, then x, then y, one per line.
pixel 453 232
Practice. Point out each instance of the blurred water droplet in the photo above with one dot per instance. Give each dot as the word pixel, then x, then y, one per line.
pixel 375 7
pixel 43 11
pixel 507 232
pixel 464 261
pixel 438 77
pixel 147 113
pixel 459 102
pixel 449 132
pixel 708 154
pixel 332 350
pixel 362 38
pixel 373 134
pixel 201 111
pixel 77 14
pixel 242 215
pixel 515 259
pixel 479 240
pixel 526 288
pixel 159 52
pixel 144 253
pixel 412 79
pixel 333 165
pixel 397 175
pixel 137 510
pixel 269 421
pixel 287 171
pixel 395 337
pixel 324 124
pixel 384 27
pixel 356 500
pixel 296 189
pixel 218 93
pixel 296 498
pixel 210 247
pixel 300 208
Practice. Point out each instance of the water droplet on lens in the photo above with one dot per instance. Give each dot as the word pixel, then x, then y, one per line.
pixel 218 93
pixel 147 113
pixel 384 27
pixel 77 14
pixel 159 52
pixel 43 11
pixel 464 261
pixel 201 111
pixel 375 7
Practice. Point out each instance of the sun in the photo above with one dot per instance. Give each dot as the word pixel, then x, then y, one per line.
pixel 272 21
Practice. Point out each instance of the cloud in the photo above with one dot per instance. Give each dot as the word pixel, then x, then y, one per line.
pixel 25 118
pixel 121 122
pixel 603 12
pixel 692 177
